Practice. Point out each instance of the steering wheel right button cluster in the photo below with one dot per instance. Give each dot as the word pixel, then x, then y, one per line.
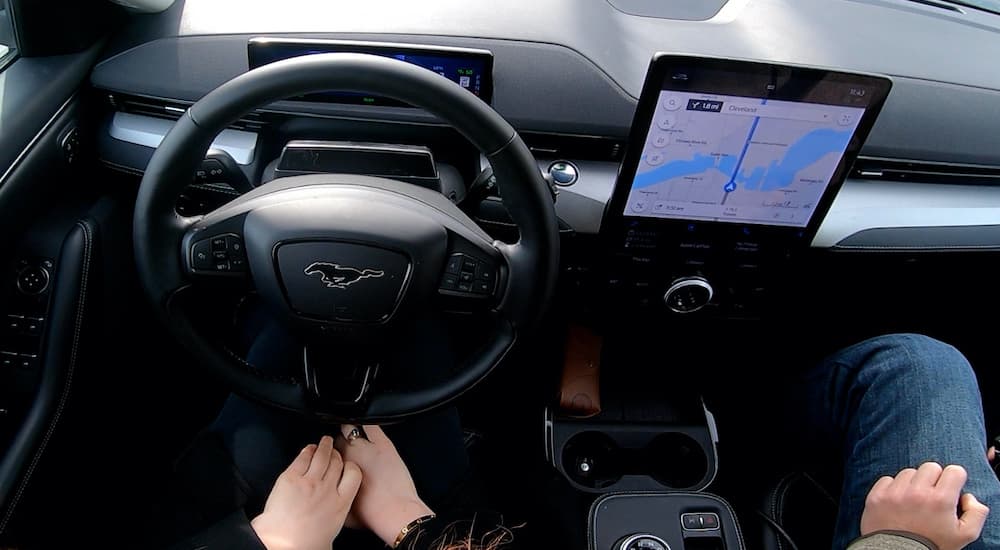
pixel 468 276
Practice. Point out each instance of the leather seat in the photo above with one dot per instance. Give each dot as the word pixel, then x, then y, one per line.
pixel 797 513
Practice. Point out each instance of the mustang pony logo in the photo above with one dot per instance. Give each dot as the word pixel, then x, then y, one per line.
pixel 338 276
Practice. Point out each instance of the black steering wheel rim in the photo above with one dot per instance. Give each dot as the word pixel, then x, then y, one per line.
pixel 159 230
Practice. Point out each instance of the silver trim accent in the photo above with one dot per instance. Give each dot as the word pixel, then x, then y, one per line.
pixel 686 282
pixel 549 429
pixel 870 204
pixel 149 132
pixel 637 536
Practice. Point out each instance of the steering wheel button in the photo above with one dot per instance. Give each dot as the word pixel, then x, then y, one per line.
pixel 220 255
pixel 465 287
pixel 222 266
pixel 469 264
pixel 201 255
pixel 482 287
pixel 466 277
pixel 449 282
pixel 234 244
pixel 485 273
pixel 218 243
pixel 237 264
pixel 454 264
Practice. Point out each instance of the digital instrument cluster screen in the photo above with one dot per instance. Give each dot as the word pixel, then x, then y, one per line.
pixel 748 143
pixel 470 69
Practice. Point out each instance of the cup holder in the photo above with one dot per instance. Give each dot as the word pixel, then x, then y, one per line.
pixel 593 460
pixel 636 460
pixel 676 460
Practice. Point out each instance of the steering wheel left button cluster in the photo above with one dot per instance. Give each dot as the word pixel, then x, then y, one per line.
pixel 219 254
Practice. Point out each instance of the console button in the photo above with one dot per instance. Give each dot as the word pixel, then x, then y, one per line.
pixel 14 323
pixel 33 325
pixel 27 361
pixel 700 522
pixel 709 521
pixel 201 255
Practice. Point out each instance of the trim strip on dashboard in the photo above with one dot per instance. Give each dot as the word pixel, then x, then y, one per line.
pixel 150 131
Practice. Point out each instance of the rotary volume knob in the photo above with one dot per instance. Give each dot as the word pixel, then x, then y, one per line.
pixel 643 542
pixel 688 294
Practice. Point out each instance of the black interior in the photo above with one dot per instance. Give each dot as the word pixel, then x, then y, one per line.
pixel 103 391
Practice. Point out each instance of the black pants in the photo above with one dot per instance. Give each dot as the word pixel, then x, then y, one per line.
pixel 262 441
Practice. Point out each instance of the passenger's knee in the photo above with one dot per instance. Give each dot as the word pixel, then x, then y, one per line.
pixel 922 360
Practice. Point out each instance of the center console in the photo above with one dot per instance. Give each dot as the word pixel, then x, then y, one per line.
pixel 730 168
pixel 663 521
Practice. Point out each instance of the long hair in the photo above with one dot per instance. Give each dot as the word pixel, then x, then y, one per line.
pixel 463 535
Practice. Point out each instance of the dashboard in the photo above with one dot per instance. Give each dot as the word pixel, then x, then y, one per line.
pixel 569 77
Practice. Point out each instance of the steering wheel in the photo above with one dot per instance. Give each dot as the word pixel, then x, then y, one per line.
pixel 338 253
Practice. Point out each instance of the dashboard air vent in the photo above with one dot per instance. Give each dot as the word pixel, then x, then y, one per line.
pixel 173 110
pixel 871 168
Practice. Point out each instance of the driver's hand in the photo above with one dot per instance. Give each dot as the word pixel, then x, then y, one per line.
pixel 924 502
pixel 388 500
pixel 310 501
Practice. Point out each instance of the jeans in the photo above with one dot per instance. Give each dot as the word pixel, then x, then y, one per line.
pixel 895 402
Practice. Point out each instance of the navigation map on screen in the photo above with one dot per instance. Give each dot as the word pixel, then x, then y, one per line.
pixel 739 159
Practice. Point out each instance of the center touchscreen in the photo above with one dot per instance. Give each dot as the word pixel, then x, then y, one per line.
pixel 731 167
pixel 739 159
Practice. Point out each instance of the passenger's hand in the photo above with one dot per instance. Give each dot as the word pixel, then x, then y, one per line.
pixel 924 502
pixel 310 501
pixel 388 500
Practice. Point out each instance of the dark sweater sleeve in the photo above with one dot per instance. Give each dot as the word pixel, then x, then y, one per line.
pixel 232 533
pixel 486 530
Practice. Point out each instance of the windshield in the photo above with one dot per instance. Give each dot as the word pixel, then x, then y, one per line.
pixel 992 6
pixel 6 31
